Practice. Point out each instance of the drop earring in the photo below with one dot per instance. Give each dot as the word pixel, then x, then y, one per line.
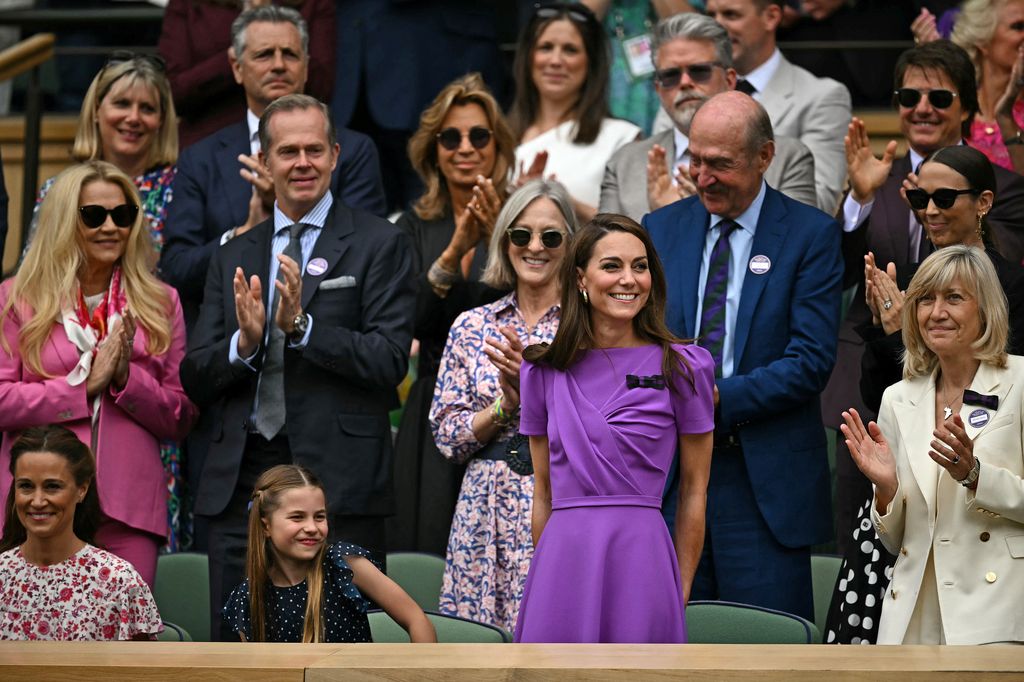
pixel 586 298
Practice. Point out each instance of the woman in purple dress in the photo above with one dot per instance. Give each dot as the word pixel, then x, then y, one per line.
pixel 605 406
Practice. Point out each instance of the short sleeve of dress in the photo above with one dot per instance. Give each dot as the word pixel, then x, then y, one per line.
pixel 694 406
pixel 533 415
pixel 137 608
pixel 235 615
pixel 339 575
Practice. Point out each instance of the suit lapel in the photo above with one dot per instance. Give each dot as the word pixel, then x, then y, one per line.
pixel 332 243
pixel 236 190
pixel 987 381
pixel 255 257
pixel 768 240
pixel 686 244
pixel 915 418
pixel 896 213
pixel 777 97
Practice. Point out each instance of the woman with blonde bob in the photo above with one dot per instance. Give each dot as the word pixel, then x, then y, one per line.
pixel 463 151
pixel 947 464
pixel 92 340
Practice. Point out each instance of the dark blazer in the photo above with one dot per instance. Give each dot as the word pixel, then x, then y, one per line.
pixel 210 197
pixel 785 344
pixel 339 388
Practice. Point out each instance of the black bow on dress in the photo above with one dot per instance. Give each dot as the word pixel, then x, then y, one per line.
pixel 989 401
pixel 655 381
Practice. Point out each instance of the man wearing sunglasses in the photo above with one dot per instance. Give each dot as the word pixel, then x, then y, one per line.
pixel 693 61
pixel 935 94
pixel 220 190
pixel 302 339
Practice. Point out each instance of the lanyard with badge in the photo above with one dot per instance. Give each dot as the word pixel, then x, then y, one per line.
pixel 636 49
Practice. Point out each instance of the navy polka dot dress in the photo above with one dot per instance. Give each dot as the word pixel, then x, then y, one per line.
pixel 344 607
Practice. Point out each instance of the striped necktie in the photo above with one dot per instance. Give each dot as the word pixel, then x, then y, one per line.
pixel 712 316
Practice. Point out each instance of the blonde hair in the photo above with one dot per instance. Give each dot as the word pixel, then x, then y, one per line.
pixel 975 26
pixel 266 497
pixel 47 281
pixel 469 89
pixel 974 269
pixel 136 71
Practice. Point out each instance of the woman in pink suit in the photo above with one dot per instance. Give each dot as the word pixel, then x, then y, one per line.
pixel 92 340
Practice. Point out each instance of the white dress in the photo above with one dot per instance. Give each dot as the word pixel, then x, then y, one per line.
pixel 580 167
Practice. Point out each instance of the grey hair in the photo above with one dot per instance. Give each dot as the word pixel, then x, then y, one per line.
pixel 499 272
pixel 692 26
pixel 271 14
pixel 294 102
pixel 759 129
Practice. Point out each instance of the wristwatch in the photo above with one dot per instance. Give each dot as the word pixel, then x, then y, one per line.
pixel 972 475
pixel 300 325
pixel 1014 139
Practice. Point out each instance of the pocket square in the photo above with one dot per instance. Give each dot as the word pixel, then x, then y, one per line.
pixel 343 282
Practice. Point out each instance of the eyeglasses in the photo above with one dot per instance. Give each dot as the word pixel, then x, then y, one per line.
pixel 451 138
pixel 520 236
pixel 574 10
pixel 943 197
pixel 909 97
pixel 94 216
pixel 698 73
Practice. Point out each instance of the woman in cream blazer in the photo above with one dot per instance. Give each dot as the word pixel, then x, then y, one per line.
pixel 947 463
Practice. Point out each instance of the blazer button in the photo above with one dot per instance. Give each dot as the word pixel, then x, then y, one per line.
pixel 903 551
pixel 984 536
pixel 990 577
pixel 893 593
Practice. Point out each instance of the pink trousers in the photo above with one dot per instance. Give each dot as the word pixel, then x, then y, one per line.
pixel 137 547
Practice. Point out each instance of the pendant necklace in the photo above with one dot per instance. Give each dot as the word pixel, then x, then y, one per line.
pixel 947 411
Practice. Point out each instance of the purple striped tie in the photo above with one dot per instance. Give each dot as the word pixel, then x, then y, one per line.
pixel 712 316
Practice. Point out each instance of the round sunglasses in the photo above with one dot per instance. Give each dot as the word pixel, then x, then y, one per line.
pixel 93 215
pixel 520 236
pixel 451 138
pixel 944 197
pixel 939 99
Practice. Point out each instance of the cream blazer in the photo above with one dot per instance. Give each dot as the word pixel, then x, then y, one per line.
pixel 977 538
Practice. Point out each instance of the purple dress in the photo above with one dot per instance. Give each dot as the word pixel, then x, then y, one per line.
pixel 605 568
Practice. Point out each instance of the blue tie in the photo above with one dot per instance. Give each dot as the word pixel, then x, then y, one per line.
pixel 712 316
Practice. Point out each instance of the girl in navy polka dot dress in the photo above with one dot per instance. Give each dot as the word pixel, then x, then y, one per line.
pixel 300 589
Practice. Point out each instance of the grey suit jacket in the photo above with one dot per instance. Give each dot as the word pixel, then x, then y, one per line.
pixel 624 187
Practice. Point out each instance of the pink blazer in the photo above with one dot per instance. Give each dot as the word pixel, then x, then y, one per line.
pixel 151 407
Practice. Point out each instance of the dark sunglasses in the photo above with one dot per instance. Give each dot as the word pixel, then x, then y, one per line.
pixel 94 216
pixel 698 73
pixel 575 11
pixel 909 97
pixel 943 197
pixel 520 236
pixel 451 138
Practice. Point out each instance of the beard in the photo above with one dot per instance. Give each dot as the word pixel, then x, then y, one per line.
pixel 682 116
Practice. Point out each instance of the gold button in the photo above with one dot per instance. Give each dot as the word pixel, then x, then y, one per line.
pixel 903 551
pixel 984 536
pixel 990 577
pixel 893 593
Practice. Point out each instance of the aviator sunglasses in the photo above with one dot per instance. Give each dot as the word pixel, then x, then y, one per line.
pixel 451 138
pixel 520 236
pixel 943 197
pixel 94 216
pixel 698 73
pixel 909 97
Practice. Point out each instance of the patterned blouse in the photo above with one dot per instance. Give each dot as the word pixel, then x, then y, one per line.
pixel 93 595
pixel 987 137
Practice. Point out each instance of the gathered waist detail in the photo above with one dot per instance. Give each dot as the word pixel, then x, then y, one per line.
pixel 607 501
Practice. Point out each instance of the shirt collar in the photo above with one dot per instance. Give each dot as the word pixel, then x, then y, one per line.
pixel 253 121
pixel 916 159
pixel 317 216
pixel 682 143
pixel 760 76
pixel 748 219
pixel 510 301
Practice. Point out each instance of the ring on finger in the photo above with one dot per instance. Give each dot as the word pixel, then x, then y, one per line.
pixel 956 459
pixel 887 303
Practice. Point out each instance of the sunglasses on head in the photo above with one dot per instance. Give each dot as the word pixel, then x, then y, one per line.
pixel 909 97
pixel 698 73
pixel 520 236
pixel 575 11
pixel 121 56
pixel 93 216
pixel 451 138
pixel 943 197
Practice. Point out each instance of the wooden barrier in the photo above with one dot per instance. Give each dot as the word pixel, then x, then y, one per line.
pixel 173 661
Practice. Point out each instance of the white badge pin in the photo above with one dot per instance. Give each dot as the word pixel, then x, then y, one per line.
pixel 760 265
pixel 978 418
pixel 317 267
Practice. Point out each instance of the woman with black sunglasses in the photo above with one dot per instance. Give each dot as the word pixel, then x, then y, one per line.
pixel 474 414
pixel 92 340
pixel 951 195
pixel 560 111
pixel 463 153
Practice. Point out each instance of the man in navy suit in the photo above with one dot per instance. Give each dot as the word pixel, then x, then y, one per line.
pixel 220 190
pixel 765 301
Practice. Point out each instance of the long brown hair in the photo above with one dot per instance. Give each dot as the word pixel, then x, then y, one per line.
pixel 61 441
pixel 266 497
pixel 575 328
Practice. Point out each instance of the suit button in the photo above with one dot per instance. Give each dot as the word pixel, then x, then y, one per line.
pixel 990 577
pixel 903 551
pixel 893 593
pixel 984 536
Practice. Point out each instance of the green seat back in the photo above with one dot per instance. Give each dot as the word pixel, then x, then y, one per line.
pixel 824 574
pixel 173 633
pixel 449 630
pixel 182 592
pixel 720 622
pixel 419 575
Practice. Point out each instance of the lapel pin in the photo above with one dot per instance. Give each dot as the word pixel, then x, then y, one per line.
pixel 760 265
pixel 316 267
pixel 978 418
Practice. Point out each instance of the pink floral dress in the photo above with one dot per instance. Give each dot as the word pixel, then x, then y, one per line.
pixel 93 595
pixel 490 545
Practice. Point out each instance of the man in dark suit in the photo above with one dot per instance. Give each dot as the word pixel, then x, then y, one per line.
pixel 755 276
pixel 302 338
pixel 937 103
pixel 219 191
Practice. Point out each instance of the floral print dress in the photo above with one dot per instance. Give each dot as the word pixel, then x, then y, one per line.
pixel 92 595
pixel 490 545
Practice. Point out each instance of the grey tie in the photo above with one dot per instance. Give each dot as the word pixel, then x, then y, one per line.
pixel 270 411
